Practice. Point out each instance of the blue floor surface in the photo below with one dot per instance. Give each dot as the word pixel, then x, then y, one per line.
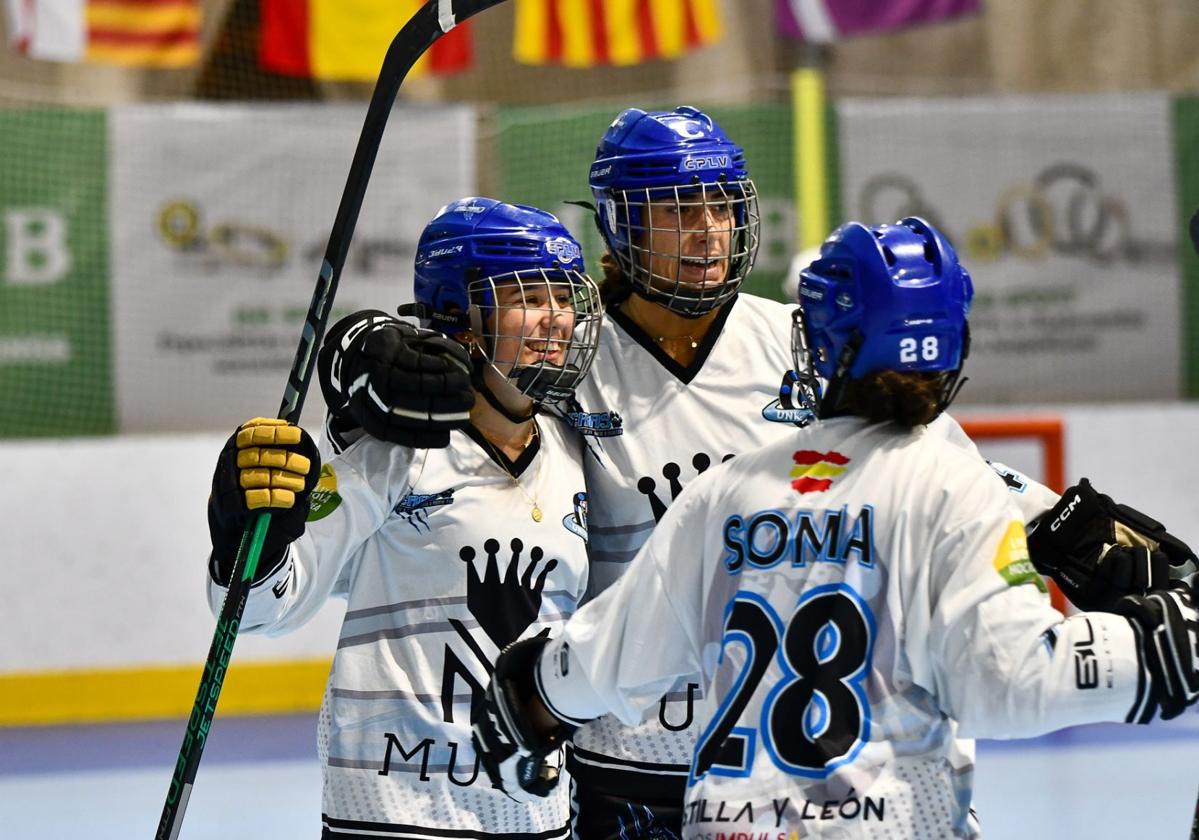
pixel 260 779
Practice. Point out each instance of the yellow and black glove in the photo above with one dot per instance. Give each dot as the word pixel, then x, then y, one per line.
pixel 266 465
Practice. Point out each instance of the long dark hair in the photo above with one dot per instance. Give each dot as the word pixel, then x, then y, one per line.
pixel 614 286
pixel 907 398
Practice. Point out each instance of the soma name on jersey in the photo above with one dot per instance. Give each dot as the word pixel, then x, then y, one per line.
pixel 769 537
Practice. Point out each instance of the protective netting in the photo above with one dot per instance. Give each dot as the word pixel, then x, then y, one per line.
pixel 162 230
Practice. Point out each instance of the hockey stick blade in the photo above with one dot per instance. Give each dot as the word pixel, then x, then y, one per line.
pixel 429 23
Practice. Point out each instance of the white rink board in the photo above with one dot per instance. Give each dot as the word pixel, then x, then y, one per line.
pixel 105 539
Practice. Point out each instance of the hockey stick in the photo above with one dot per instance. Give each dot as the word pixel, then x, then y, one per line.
pixel 1194 231
pixel 429 23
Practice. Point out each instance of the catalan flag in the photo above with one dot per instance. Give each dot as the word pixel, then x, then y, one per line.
pixel 586 33
pixel 814 471
pixel 345 40
pixel 134 33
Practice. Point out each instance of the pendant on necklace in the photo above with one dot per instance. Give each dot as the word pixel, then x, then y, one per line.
pixel 536 513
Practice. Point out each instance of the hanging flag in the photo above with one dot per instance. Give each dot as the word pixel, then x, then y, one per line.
pixel 134 33
pixel 345 40
pixel 823 21
pixel 585 33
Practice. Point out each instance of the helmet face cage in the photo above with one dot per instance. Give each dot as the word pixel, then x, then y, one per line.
pixel 688 248
pixel 804 363
pixel 538 328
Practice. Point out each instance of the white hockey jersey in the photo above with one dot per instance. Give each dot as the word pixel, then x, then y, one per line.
pixel 442 565
pixel 659 425
pixel 856 596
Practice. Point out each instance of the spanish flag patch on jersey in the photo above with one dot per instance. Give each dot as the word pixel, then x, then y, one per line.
pixel 814 471
pixel 1011 559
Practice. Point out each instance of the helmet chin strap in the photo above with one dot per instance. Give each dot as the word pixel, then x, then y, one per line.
pixel 831 404
pixel 953 378
pixel 480 383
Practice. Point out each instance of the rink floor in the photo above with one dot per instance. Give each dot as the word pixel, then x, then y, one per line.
pixel 260 779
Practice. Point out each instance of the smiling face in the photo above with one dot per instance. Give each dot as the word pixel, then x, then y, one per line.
pixel 688 242
pixel 532 322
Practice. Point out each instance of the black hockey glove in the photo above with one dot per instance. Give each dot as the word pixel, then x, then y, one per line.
pixel 266 465
pixel 400 383
pixel 511 749
pixel 1098 551
pixel 1167 626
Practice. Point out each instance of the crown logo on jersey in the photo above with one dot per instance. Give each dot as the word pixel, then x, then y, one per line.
pixel 671 472
pixel 506 606
pixel 814 471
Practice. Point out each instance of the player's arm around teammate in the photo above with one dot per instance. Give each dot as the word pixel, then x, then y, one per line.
pixel 847 660
pixel 445 555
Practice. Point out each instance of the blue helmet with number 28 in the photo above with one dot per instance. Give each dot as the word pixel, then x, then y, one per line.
pixel 888 297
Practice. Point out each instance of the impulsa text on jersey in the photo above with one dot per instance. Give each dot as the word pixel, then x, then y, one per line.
pixel 764 539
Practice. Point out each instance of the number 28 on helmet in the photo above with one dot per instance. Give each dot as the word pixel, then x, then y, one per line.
pixel 887 297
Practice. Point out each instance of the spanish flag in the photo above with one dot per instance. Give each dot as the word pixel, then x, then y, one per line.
pixel 345 40
pixel 585 33
pixel 134 33
pixel 814 471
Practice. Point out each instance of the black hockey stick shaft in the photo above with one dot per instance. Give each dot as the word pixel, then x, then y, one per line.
pixel 1194 231
pixel 432 21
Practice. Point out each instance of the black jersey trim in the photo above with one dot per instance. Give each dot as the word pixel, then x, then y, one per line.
pixel 628 779
pixel 514 468
pixel 335 829
pixel 629 765
pixel 683 374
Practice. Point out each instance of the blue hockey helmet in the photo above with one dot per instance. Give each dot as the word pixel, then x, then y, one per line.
pixel 692 255
pixel 888 297
pixel 480 258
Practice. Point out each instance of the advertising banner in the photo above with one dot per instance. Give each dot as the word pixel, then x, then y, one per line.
pixel 1063 209
pixel 221 216
pixel 54 338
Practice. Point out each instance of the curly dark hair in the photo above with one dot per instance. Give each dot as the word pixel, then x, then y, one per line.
pixel 907 398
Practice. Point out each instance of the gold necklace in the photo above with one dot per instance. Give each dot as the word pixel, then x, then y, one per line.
pixel 499 460
pixel 689 338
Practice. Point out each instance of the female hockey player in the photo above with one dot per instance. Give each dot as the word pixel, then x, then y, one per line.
pixel 445 555
pixel 686 376
pixel 858 595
